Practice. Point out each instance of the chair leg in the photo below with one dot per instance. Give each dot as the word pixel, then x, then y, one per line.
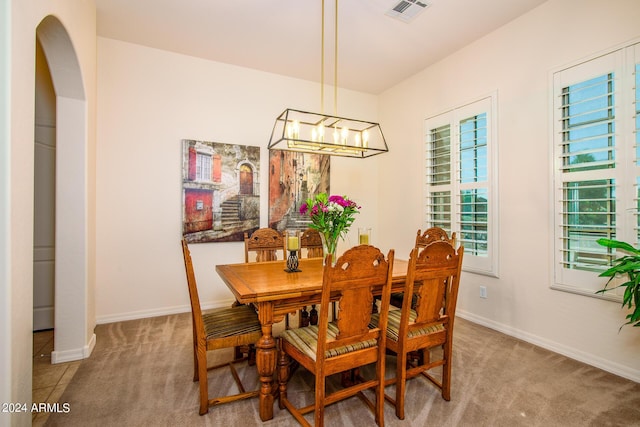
pixel 304 317
pixel 313 315
pixel 204 383
pixel 195 355
pixel 379 390
pixel 319 403
pixel 195 363
pixel 426 356
pixel 251 355
pixel 446 371
pixel 401 381
pixel 283 376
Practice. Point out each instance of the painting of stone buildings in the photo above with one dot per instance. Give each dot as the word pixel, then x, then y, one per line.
pixel 220 191
pixel 294 177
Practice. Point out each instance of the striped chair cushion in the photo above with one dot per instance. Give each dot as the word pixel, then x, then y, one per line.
pixel 393 325
pixel 226 322
pixel 306 340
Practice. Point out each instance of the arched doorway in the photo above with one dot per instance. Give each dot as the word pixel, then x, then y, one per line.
pixel 74 338
pixel 246 179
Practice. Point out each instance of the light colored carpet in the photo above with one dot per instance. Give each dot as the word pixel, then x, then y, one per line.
pixel 140 374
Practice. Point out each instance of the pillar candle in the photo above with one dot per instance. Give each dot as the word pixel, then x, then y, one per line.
pixel 292 243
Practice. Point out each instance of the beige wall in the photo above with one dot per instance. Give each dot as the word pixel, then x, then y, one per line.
pixel 516 61
pixel 148 101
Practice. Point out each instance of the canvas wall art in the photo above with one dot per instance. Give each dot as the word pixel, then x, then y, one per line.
pixel 220 191
pixel 294 177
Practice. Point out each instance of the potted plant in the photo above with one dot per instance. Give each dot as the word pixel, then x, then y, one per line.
pixel 629 265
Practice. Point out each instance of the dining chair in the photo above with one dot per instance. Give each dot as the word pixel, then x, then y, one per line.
pixel 348 343
pixel 217 329
pixel 433 275
pixel 264 244
pixel 430 235
pixel 434 234
pixel 311 242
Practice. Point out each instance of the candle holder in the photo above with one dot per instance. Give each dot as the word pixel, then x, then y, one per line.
pixel 292 245
pixel 364 235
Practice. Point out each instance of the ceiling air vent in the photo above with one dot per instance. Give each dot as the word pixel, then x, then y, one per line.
pixel 407 10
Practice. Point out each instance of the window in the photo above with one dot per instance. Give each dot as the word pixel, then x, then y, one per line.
pixel 597 165
pixel 203 167
pixel 460 181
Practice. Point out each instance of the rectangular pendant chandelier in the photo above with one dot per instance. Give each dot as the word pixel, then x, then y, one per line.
pixel 316 133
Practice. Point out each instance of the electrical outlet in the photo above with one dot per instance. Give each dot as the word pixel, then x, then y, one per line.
pixel 483 291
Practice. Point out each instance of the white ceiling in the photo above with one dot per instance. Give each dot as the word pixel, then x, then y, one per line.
pixel 283 36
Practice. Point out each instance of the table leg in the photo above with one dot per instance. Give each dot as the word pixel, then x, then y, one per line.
pixel 266 358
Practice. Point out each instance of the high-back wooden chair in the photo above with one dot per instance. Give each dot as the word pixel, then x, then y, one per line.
pixel 311 242
pixel 216 329
pixel 433 276
pixel 349 342
pixel 430 235
pixel 264 244
pixel 434 234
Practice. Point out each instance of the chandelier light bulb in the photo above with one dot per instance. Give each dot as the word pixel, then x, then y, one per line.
pixel 345 135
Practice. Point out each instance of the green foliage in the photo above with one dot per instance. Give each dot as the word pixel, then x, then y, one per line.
pixel 331 216
pixel 628 265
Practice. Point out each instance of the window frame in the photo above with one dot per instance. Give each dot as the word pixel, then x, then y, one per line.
pixel 484 265
pixel 621 61
pixel 204 166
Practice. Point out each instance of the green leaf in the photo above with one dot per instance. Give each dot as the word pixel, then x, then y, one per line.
pixel 629 265
pixel 616 244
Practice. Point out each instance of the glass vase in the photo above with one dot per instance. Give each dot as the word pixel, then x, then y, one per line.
pixel 329 246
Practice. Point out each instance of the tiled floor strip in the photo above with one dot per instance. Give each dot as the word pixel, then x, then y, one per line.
pixel 49 381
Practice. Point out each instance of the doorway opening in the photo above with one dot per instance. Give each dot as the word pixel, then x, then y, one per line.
pixel 63 117
pixel 44 196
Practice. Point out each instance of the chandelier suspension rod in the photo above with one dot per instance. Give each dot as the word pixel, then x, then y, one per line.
pixel 335 67
pixel 322 64
pixel 308 132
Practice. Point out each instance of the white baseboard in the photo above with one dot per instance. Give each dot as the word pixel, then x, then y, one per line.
pixel 143 314
pixel 74 354
pixel 598 362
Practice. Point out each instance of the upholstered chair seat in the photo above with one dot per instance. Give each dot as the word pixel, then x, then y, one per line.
pixel 393 325
pixel 230 321
pixel 306 340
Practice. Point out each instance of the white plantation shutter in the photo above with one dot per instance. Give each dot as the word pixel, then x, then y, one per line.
pixel 595 143
pixel 460 182
pixel 439 177
pixel 473 183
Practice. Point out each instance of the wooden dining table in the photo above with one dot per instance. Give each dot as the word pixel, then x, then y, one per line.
pixel 275 293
